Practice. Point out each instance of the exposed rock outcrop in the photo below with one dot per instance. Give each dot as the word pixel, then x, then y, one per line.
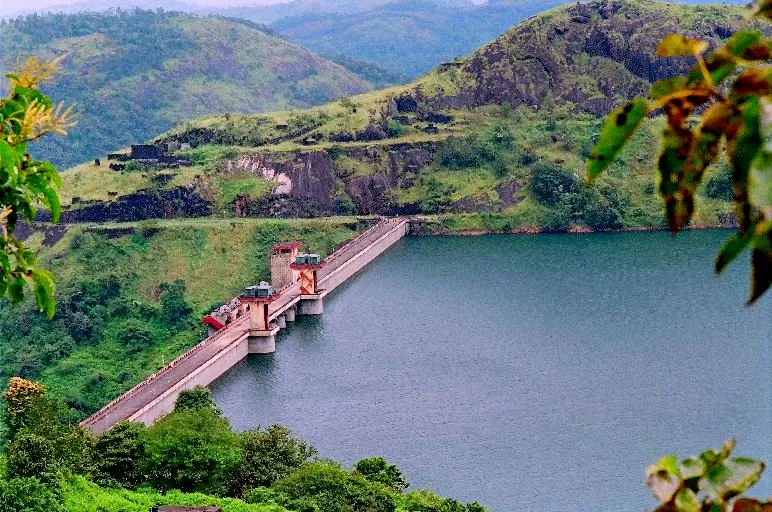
pixel 590 54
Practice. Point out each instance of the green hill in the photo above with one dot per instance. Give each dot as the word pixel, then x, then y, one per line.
pixel 135 74
pixel 486 134
pixel 409 36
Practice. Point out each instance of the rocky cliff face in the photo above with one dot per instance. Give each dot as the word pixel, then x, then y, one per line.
pixel 308 182
pixel 590 54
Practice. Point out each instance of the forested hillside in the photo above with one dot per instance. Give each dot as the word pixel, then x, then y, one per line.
pixel 504 132
pixel 135 74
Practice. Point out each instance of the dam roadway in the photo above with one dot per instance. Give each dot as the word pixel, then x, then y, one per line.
pixel 215 355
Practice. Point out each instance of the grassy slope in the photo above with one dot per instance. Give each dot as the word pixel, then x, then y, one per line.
pixel 215 258
pixel 83 496
pixel 136 74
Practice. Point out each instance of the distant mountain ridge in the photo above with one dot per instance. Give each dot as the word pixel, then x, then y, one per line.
pixel 134 74
pixel 410 36
pixel 261 13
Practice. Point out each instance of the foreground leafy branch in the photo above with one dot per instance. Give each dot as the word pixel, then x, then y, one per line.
pixel 724 101
pixel 26 115
pixel 712 482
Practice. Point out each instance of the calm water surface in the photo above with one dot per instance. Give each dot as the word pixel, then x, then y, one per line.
pixel 535 373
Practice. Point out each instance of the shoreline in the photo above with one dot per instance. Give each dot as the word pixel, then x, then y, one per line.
pixel 576 230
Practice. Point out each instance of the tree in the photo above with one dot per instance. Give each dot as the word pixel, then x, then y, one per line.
pixel 193 451
pixel 119 456
pixel 549 181
pixel 26 115
pixel 725 100
pixel 175 308
pixel 36 424
pixel 331 488
pixel 267 456
pixel 194 399
pixel 376 469
pixel 31 455
pixel 27 495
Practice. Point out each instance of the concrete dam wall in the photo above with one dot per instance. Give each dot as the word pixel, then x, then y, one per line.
pixel 207 361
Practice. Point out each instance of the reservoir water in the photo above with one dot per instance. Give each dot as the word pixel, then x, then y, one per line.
pixel 535 373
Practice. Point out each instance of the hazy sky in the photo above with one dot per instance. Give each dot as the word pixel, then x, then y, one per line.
pixel 19 5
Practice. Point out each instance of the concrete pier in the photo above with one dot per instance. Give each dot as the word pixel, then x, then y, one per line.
pixel 310 305
pixel 254 333
pixel 262 344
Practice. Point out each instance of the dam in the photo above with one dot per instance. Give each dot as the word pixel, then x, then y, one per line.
pixel 252 328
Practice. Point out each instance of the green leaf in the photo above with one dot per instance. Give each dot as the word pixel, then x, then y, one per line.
pixel 731 478
pixel 16 289
pixel 686 501
pixel 30 95
pixel 44 291
pixel 732 247
pixel 8 158
pixel 52 201
pixel 619 127
pixel 720 65
pixel 676 45
pixel 741 41
pixel 743 146
pixel 667 87
pixel 692 467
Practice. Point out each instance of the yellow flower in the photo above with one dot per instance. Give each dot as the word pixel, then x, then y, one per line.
pixel 40 119
pixel 35 71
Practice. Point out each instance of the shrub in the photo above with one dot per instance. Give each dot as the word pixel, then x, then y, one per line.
pixel 193 451
pixel 30 455
pixel 465 152
pixel 134 335
pixel 719 186
pixel 119 455
pixel 376 469
pixel 343 204
pixel 333 489
pixel 174 307
pixel 395 129
pixel 267 456
pixel 437 197
pixel 134 166
pixel 195 399
pixel 549 181
pixel 28 495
